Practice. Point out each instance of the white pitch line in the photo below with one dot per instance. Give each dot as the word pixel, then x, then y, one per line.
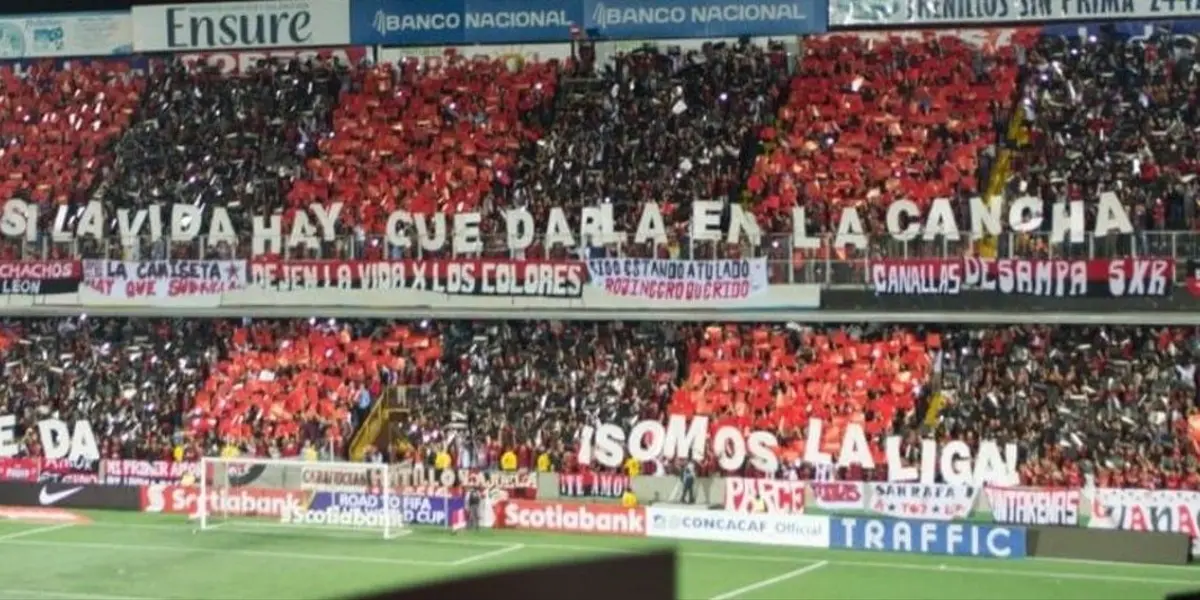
pixel 487 555
pixel 11 593
pixel 232 551
pixel 1018 573
pixel 1015 572
pixel 772 581
pixel 34 531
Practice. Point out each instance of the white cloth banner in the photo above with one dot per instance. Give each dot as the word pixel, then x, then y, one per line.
pixel 682 280
pixel 1171 511
pixel 935 501
pixel 161 282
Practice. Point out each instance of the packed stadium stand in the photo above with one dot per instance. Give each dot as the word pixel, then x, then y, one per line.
pixel 851 121
pixel 1120 401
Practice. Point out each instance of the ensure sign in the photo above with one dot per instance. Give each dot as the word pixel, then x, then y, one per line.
pixel 229 25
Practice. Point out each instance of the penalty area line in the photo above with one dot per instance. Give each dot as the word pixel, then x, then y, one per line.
pixel 233 552
pixel 772 581
pixel 34 531
pixel 487 555
pixel 13 593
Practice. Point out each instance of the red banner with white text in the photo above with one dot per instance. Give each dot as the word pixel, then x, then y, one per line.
pixel 145 472
pixel 39 277
pixel 20 469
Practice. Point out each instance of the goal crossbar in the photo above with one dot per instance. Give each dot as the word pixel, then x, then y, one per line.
pixel 309 494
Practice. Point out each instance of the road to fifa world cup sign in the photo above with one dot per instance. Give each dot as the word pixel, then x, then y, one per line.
pixel 609 444
pixel 462 234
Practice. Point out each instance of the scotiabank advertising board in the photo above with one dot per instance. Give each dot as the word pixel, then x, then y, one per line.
pixel 571 517
pixel 257 502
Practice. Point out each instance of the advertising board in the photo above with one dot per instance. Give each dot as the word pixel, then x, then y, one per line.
pixel 723 526
pixel 69 495
pixel 927 537
pixel 237 501
pixel 449 22
pixel 394 23
pixel 415 510
pixel 230 25
pixel 53 36
pixel 624 19
pixel 570 517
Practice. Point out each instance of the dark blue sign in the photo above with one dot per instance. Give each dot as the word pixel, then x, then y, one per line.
pixel 1132 30
pixel 639 19
pixel 436 22
pixel 417 510
pixel 927 537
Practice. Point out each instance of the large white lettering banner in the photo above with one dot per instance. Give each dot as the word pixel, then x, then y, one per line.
pixel 659 279
pixel 681 437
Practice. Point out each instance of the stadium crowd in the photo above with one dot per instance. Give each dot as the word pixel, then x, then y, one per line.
pixel 849 122
pixel 1119 402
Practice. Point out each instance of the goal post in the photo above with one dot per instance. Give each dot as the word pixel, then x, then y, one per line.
pixel 315 495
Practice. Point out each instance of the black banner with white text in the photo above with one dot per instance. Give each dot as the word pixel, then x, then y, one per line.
pixel 39 277
pixel 484 277
pixel 1049 278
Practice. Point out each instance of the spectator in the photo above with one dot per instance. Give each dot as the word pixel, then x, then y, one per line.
pixel 1110 114
pixel 662 126
pixel 1120 402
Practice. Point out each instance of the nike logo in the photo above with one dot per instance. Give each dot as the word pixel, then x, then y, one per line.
pixel 45 497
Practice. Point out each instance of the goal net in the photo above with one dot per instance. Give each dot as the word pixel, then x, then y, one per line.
pixel 315 495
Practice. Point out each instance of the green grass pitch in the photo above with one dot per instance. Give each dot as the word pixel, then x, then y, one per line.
pixel 124 556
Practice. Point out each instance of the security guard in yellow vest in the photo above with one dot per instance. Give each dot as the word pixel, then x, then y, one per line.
pixel 759 505
pixel 628 499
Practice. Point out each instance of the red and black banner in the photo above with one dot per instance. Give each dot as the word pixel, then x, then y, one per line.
pixel 39 277
pixel 1049 278
pixel 479 277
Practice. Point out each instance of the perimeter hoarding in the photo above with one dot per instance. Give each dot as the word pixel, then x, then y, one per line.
pixel 395 23
pixel 53 36
pixel 229 25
